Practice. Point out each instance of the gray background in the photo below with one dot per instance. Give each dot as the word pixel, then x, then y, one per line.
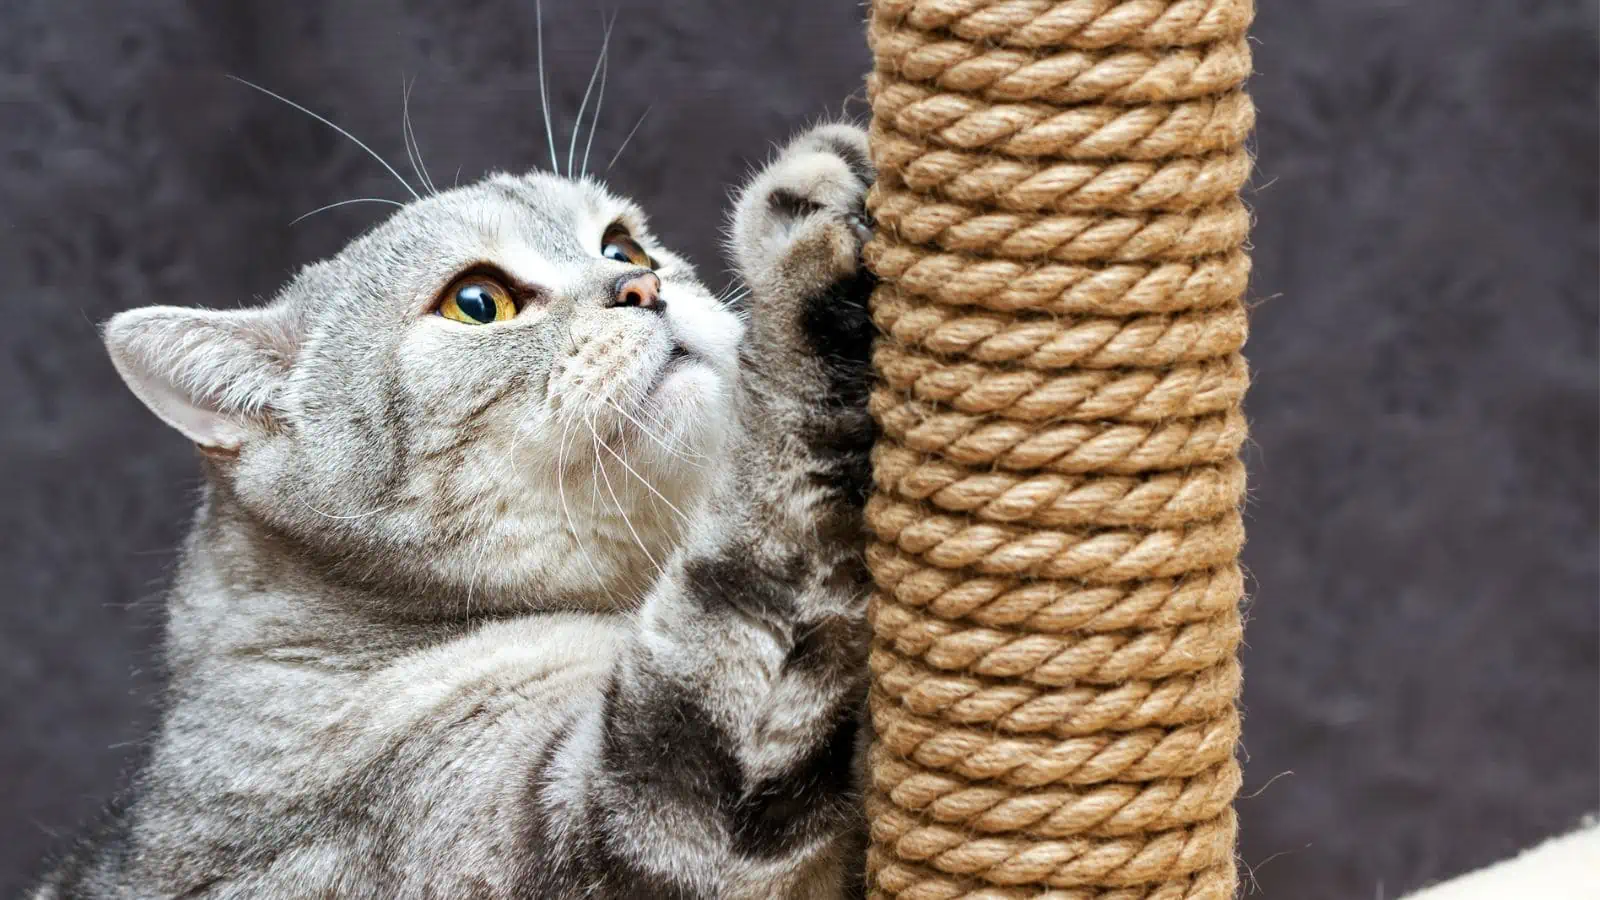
pixel 1422 661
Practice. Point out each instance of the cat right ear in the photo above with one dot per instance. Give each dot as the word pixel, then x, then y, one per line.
pixel 211 374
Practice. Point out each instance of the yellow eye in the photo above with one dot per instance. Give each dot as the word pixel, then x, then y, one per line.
pixel 477 300
pixel 620 246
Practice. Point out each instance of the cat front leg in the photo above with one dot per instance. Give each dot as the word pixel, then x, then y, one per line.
pixel 719 762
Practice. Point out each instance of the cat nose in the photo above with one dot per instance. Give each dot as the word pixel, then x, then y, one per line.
pixel 642 290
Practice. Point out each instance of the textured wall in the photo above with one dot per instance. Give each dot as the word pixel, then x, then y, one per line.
pixel 1423 528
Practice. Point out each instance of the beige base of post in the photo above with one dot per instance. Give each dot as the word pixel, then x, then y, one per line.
pixel 1564 868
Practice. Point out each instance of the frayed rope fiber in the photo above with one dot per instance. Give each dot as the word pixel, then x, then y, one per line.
pixel 1055 516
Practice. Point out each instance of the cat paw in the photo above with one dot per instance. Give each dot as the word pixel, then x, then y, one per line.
pixel 800 224
pixel 797 236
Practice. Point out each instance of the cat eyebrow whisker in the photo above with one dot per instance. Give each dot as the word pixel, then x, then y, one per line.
pixel 577 125
pixel 629 137
pixel 353 139
pixel 409 136
pixel 605 66
pixel 544 95
pixel 347 203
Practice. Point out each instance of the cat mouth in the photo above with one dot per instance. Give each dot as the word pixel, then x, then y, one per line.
pixel 679 357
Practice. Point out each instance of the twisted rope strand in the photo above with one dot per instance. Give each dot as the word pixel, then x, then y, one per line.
pixel 1117 289
pixel 1128 395
pixel 1088 342
pixel 1081 24
pixel 1063 237
pixel 1048 606
pixel 1016 708
pixel 1069 862
pixel 980 754
pixel 1122 76
pixel 1114 447
pixel 1176 184
pixel 913 881
pixel 1053 660
pixel 1105 810
pixel 1162 499
pixel 1196 127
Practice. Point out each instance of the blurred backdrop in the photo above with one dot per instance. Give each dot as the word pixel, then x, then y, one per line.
pixel 1421 677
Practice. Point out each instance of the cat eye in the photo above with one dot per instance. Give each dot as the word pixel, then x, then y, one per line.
pixel 620 246
pixel 478 299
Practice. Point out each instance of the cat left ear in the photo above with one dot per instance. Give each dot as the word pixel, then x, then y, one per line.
pixel 211 374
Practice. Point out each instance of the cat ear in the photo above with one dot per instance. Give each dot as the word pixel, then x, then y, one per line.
pixel 210 374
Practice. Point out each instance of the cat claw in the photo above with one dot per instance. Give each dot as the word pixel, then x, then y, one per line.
pixel 862 225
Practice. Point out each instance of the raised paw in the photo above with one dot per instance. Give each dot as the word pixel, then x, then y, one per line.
pixel 800 224
pixel 797 236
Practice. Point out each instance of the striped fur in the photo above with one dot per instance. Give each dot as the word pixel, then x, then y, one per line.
pixel 488 662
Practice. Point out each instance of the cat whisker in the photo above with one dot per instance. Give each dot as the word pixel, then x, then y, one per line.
pixel 628 138
pixel 654 495
pixel 664 443
pixel 626 519
pixel 409 135
pixel 308 215
pixel 577 125
pixel 328 515
pixel 353 139
pixel 566 510
pixel 544 95
pixel 644 481
pixel 605 65
pixel 636 396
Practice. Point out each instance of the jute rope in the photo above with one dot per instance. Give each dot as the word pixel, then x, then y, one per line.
pixel 1055 518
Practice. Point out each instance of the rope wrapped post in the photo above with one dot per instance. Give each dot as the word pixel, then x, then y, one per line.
pixel 1055 516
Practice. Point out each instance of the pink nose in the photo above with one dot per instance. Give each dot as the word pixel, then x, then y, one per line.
pixel 643 291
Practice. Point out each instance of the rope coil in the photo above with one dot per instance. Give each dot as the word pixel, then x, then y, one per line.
pixel 1055 519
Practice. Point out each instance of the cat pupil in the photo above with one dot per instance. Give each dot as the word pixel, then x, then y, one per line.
pixel 476 302
pixel 615 251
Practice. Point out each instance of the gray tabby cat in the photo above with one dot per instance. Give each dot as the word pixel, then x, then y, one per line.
pixel 525 567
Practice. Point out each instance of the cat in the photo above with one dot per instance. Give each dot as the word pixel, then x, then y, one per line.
pixel 525 566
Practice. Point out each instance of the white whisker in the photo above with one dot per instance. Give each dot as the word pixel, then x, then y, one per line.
pixel 626 520
pixel 645 481
pixel 347 203
pixel 733 295
pixel 409 134
pixel 577 125
pixel 663 442
pixel 628 138
pixel 327 515
pixel 566 511
pixel 370 152
pixel 544 95
pixel 605 65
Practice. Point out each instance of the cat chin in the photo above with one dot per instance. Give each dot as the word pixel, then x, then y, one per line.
pixel 691 397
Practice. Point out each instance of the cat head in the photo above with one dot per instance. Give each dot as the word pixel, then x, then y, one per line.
pixel 507 392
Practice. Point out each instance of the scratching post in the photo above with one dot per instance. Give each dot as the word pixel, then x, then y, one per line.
pixel 1055 518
